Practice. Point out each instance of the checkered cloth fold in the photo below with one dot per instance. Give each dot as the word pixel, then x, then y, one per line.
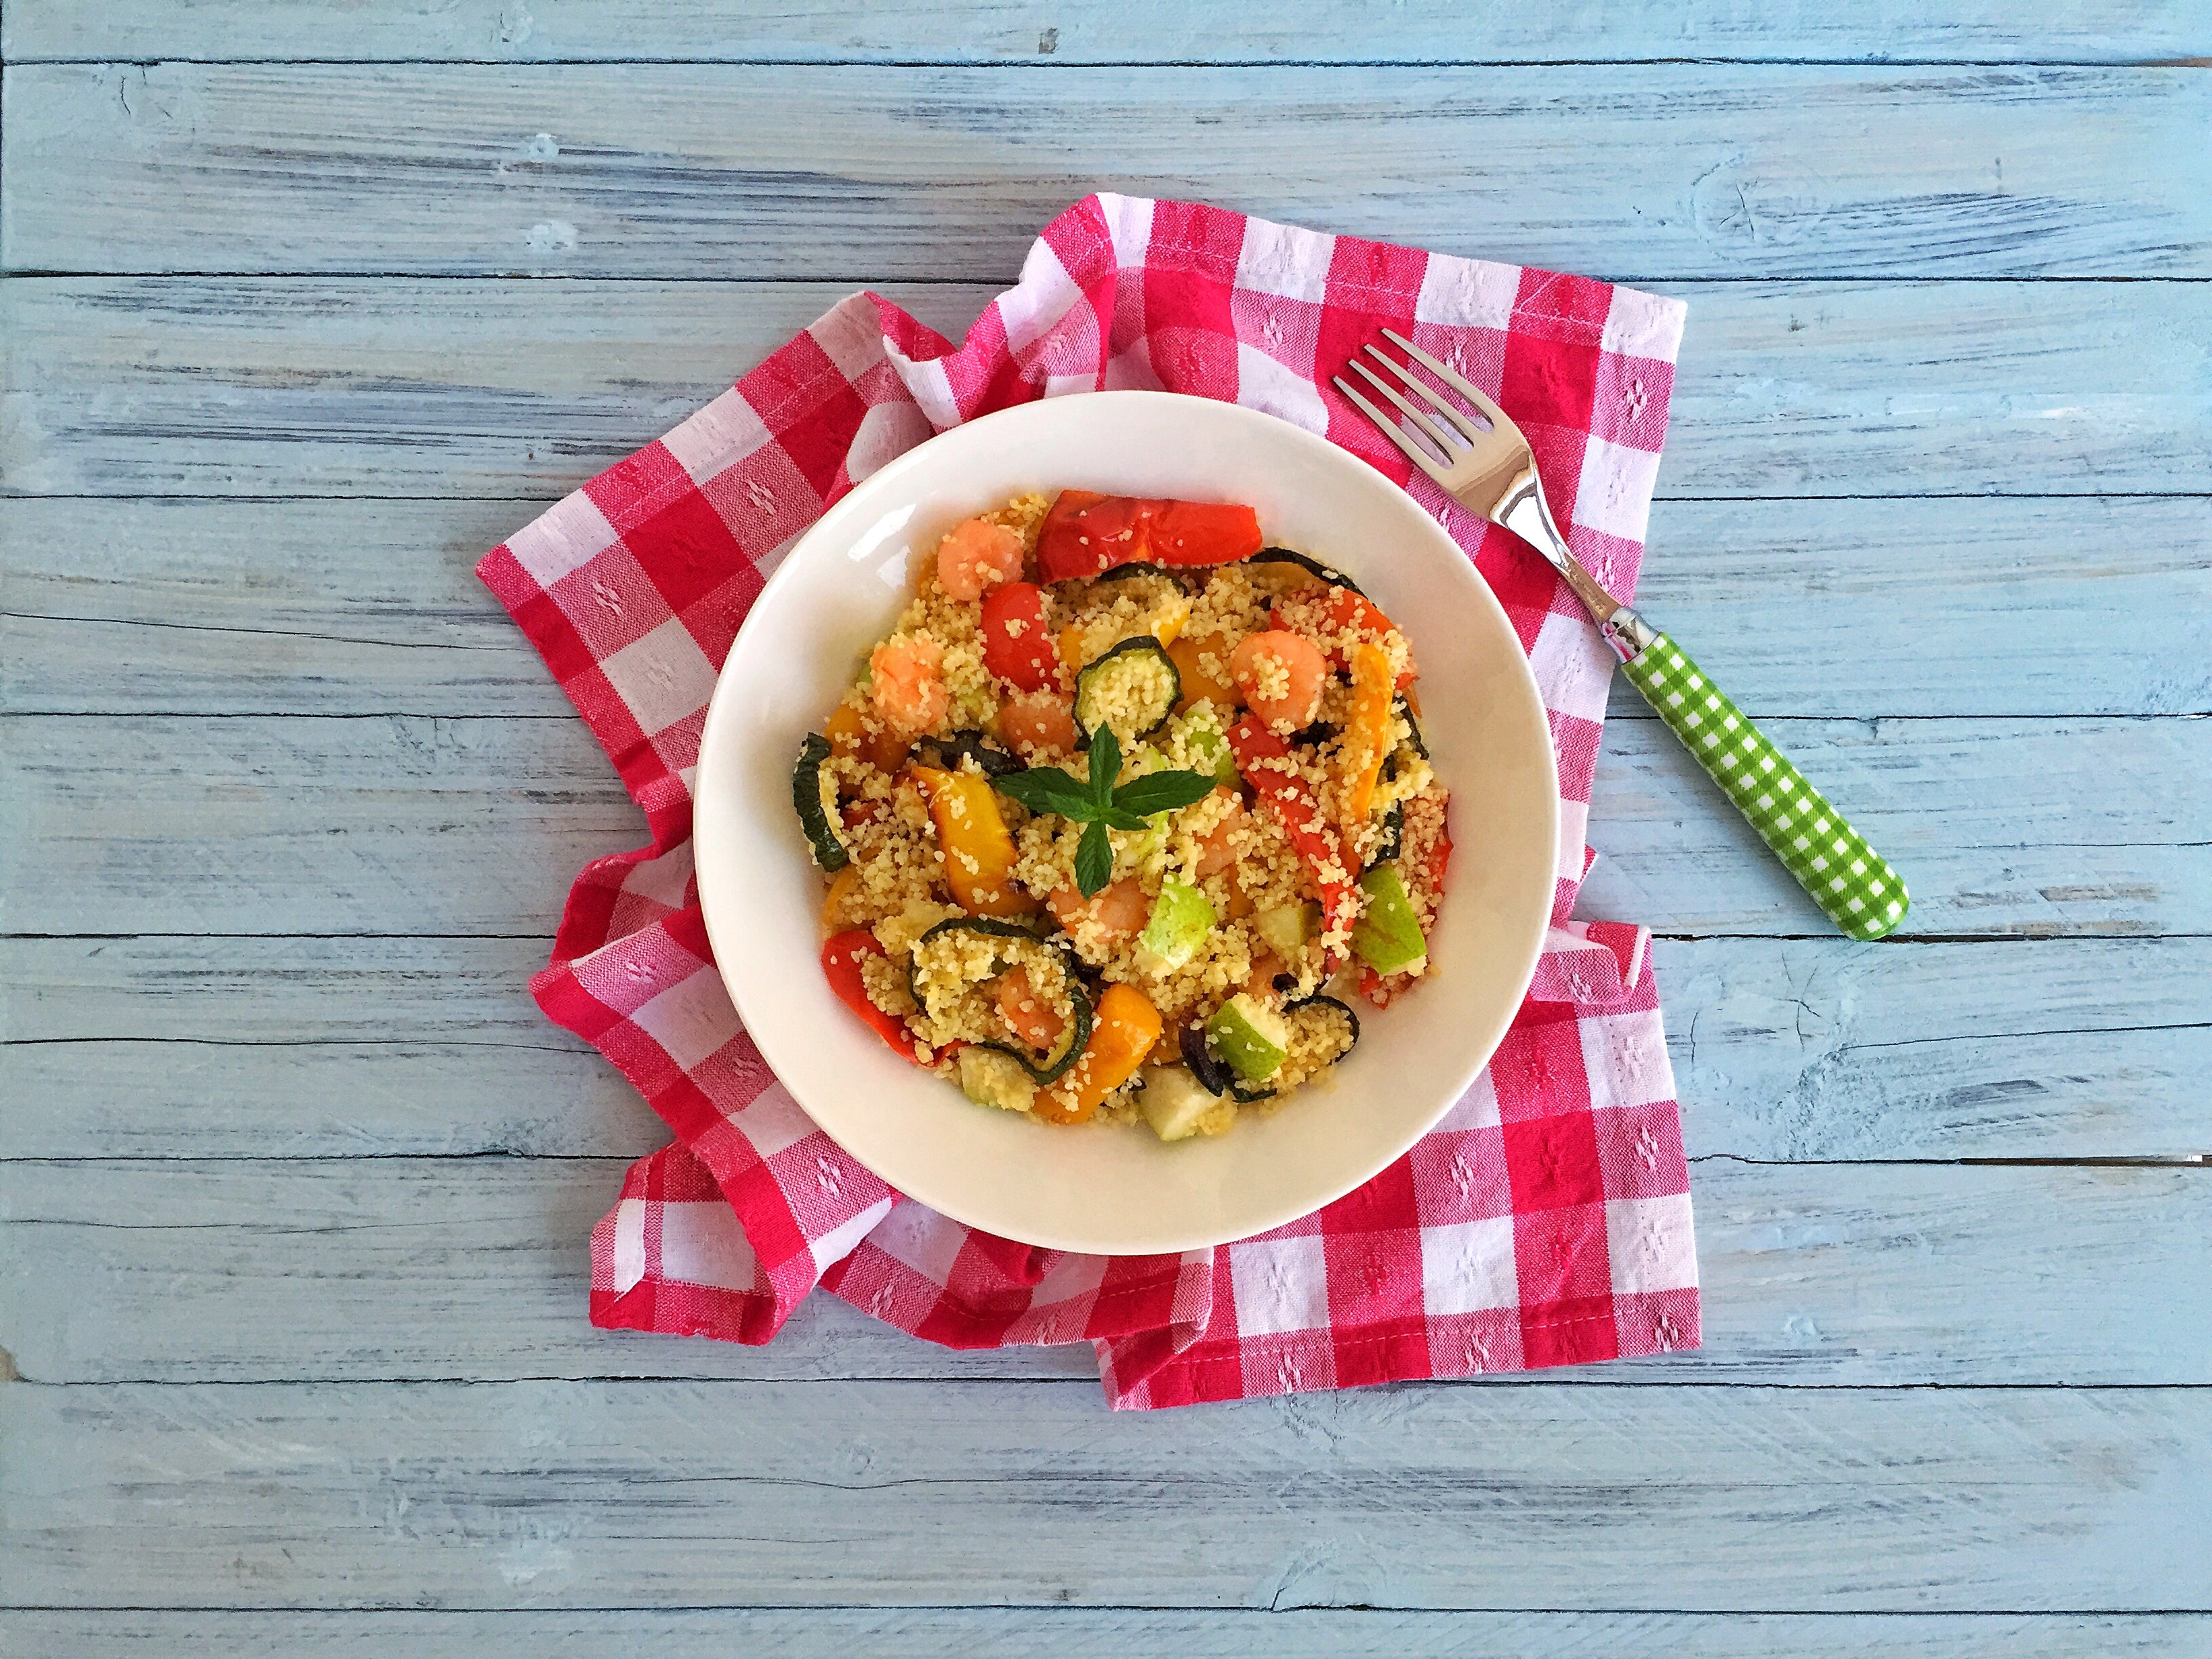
pixel 1545 1221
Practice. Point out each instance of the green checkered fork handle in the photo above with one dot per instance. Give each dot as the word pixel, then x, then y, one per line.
pixel 1483 462
pixel 1846 878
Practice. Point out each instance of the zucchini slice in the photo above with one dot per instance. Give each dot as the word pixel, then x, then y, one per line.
pixel 1314 567
pixel 1007 945
pixel 1177 1105
pixel 813 810
pixel 1133 689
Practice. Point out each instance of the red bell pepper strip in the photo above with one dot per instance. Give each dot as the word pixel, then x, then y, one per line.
pixel 1018 648
pixel 1087 533
pixel 1264 761
pixel 840 963
pixel 1203 532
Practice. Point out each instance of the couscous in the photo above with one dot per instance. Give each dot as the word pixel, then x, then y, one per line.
pixel 1123 815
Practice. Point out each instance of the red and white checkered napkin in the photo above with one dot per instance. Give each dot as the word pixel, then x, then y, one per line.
pixel 1545 1221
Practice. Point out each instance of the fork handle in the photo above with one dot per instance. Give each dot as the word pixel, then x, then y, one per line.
pixel 1846 878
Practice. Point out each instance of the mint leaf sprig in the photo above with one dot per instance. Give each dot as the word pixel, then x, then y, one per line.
pixel 1098 805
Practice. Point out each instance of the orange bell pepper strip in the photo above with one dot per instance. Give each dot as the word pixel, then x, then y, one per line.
pixel 1122 1032
pixel 979 852
pixel 1367 734
pixel 1189 652
pixel 1263 759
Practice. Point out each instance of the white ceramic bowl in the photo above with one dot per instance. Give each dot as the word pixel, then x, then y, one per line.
pixel 1096 1189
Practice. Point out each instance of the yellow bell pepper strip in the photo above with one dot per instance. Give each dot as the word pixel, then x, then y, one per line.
pixel 844 887
pixel 1122 1032
pixel 978 853
pixel 1264 761
pixel 1367 734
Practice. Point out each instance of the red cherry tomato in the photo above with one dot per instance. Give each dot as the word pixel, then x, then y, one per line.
pixel 1017 646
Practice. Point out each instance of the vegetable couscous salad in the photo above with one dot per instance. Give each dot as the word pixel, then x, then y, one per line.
pixel 1124 814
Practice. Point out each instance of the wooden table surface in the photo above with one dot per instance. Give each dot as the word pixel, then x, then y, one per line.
pixel 307 304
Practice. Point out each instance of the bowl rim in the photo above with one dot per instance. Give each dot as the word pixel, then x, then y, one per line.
pixel 722 703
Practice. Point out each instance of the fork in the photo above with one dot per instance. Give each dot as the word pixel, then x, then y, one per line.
pixel 1486 465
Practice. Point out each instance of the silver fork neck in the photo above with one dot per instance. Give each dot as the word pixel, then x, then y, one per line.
pixel 1522 509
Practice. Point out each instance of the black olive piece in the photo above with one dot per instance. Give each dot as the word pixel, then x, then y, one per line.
pixel 1212 1075
pixel 1286 982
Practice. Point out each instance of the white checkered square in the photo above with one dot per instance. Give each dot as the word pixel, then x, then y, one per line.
pixel 1467 1267
pixel 565 537
pixel 691 1019
pixel 1650 1244
pixel 1281 1284
pixel 1615 492
pixel 661 679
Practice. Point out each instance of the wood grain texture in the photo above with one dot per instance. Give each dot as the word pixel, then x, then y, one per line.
pixel 474 1269
pixel 355 607
pixel 1784 1050
pixel 1095 31
pixel 405 825
pixel 1024 1632
pixel 351 386
pixel 705 1494
pixel 720 170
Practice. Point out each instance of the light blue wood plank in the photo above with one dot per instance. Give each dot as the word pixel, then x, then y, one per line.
pixel 705 1494
pixel 404 825
pixel 719 171
pixel 1024 1633
pixel 2044 606
pixel 473 1269
pixel 344 386
pixel 1783 1050
pixel 1093 31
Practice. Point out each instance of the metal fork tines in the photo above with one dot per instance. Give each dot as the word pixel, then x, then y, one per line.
pixel 1479 459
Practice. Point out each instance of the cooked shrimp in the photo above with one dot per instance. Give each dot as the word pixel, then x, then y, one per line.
pixel 1120 909
pixel 909 683
pixel 975 555
pixel 1261 987
pixel 1214 852
pixel 1026 1014
pixel 1281 676
pixel 1038 722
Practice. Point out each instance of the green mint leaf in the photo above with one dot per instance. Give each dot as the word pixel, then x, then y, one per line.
pixel 1094 859
pixel 1163 792
pixel 1047 789
pixel 1105 765
pixel 1115 818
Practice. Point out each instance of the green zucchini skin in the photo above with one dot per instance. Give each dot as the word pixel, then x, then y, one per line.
pixel 1351 1017
pixel 1394 834
pixel 806 796
pixel 1073 1040
pixel 1405 713
pixel 1142 643
pixel 1139 568
pixel 1326 573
